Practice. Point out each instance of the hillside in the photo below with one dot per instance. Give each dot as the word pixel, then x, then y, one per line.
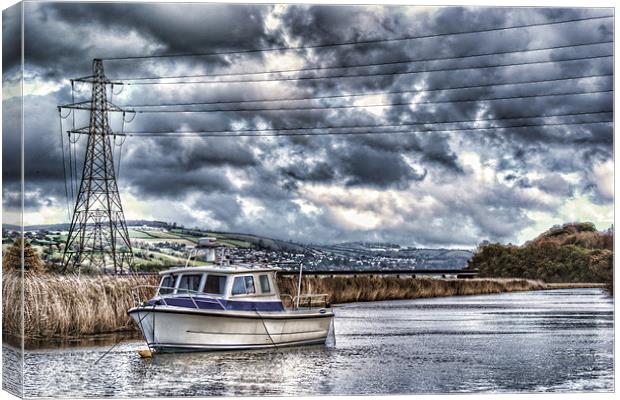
pixel 159 245
pixel 574 252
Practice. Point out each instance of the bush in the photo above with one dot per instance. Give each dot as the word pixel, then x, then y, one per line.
pixel 12 260
pixel 575 252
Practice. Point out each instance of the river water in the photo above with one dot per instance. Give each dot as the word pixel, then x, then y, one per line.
pixel 543 341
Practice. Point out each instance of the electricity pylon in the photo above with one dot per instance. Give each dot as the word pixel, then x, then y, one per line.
pixel 98 235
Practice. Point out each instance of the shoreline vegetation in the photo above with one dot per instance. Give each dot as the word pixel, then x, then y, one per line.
pixel 571 253
pixel 61 306
pixel 65 306
pixel 576 285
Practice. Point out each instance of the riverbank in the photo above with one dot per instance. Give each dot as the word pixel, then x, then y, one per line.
pixel 579 285
pixel 57 306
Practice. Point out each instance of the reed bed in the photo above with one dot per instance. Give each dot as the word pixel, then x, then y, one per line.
pixel 578 285
pixel 68 306
pixel 350 288
pixel 58 306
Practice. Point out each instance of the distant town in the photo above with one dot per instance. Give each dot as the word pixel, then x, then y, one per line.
pixel 158 245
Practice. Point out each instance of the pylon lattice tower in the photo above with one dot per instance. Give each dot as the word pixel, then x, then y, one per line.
pixel 98 235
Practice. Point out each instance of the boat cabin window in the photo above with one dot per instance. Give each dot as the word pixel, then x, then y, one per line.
pixel 189 282
pixel 167 285
pixel 215 284
pixel 243 285
pixel 264 284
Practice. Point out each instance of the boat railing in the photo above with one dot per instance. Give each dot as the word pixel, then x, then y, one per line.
pixel 311 301
pixel 192 294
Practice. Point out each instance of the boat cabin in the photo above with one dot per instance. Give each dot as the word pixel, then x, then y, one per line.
pixel 232 287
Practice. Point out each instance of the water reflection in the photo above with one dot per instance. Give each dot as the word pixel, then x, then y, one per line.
pixel 533 341
pixel 99 340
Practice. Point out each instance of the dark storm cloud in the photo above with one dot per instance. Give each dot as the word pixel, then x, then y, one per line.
pixel 227 178
pixel 177 156
pixel 377 168
pixel 318 172
pixel 186 28
pixel 42 156
pixel 11 140
pixel 172 185
pixel 173 168
pixel 55 33
pixel 11 39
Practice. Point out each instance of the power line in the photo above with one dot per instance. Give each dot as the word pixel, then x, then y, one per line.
pixel 367 93
pixel 75 177
pixel 332 107
pixel 72 167
pixel 358 42
pixel 370 64
pixel 64 169
pixel 400 124
pixel 301 78
pixel 196 134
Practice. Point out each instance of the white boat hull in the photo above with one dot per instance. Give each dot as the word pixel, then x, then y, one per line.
pixel 176 329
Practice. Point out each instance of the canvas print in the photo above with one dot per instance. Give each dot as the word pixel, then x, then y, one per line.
pixel 211 199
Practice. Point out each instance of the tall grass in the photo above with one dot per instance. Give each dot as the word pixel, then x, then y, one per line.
pixel 68 306
pixel 347 289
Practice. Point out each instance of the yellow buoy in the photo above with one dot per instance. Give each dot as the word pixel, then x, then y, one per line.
pixel 146 353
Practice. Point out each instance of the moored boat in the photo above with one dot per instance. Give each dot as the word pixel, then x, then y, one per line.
pixel 228 307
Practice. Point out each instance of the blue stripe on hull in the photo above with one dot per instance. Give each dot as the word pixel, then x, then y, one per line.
pixel 207 303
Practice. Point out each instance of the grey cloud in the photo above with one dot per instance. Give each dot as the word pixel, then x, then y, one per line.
pixel 380 169
pixel 171 185
pixel 319 172
pixel 273 170
pixel 11 40
pixel 554 184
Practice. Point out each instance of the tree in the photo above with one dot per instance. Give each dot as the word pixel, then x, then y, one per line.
pixel 12 258
pixel 570 253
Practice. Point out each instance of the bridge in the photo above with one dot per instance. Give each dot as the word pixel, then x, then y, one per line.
pixel 440 273
pixel 405 273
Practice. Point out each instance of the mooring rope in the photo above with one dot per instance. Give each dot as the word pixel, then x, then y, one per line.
pixel 109 350
pixel 265 326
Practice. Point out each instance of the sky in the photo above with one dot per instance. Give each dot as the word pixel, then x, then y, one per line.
pixel 447 188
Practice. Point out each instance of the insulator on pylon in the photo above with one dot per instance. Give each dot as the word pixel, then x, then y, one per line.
pixel 98 238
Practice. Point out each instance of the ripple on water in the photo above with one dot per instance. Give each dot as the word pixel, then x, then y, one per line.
pixel 559 340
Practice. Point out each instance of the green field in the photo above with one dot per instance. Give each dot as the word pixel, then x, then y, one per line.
pixel 156 259
pixel 152 234
pixel 133 234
